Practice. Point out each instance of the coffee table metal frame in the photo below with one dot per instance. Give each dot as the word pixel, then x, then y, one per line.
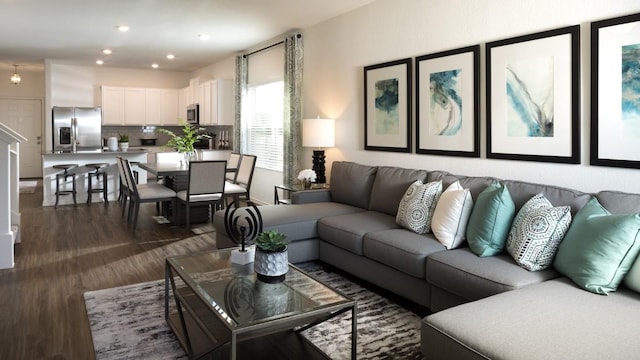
pixel 196 306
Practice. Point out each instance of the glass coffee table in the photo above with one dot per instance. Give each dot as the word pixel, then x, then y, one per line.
pixel 220 304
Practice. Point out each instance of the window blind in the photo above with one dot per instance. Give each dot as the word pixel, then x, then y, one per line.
pixel 263 109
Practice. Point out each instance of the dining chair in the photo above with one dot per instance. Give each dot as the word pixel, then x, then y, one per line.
pixel 244 177
pixel 144 193
pixel 205 185
pixel 232 166
pixel 125 189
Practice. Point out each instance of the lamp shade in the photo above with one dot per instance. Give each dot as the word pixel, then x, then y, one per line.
pixel 318 133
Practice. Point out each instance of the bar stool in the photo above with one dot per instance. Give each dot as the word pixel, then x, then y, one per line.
pixel 98 171
pixel 62 177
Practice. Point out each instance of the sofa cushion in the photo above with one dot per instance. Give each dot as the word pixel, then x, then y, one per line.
pixel 464 274
pixel 552 320
pixel 536 233
pixel 401 249
pixel 390 185
pixel 522 191
pixel 297 222
pixel 599 248
pixel 417 205
pixel 475 184
pixel 347 231
pixel 617 202
pixel 490 220
pixel 351 183
pixel 449 222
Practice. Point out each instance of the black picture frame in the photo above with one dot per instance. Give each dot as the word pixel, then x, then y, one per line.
pixel 387 106
pixel 536 71
pixel 614 135
pixel 455 76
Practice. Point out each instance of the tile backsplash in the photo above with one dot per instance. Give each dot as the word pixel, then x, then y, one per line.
pixel 136 133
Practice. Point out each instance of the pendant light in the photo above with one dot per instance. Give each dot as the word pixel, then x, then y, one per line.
pixel 15 78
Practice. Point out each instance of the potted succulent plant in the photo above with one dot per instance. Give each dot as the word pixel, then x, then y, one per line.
pixel 271 260
pixel 184 143
pixel 123 141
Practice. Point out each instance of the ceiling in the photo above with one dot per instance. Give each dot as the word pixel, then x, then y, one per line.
pixel 76 31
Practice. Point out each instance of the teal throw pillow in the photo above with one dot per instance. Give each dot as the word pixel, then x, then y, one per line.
pixel 632 280
pixel 490 220
pixel 599 248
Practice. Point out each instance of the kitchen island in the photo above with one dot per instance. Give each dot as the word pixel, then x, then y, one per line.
pixel 81 158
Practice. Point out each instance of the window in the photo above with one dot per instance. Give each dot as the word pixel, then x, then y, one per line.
pixel 262 119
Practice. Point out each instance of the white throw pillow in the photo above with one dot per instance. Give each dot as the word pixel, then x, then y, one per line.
pixel 632 279
pixel 449 223
pixel 417 205
pixel 536 233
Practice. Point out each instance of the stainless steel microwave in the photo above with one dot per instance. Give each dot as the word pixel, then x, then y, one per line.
pixel 193 114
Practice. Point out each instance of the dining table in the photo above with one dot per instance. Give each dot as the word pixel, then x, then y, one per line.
pixel 163 169
pixel 176 177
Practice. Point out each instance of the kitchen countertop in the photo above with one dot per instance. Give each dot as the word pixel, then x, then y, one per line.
pixel 94 152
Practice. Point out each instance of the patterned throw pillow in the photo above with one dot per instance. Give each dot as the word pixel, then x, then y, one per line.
pixel 451 215
pixel 536 233
pixel 417 206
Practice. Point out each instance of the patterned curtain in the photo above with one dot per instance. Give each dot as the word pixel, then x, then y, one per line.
pixel 293 54
pixel 242 79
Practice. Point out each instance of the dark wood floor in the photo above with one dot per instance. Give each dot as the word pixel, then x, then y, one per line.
pixel 64 253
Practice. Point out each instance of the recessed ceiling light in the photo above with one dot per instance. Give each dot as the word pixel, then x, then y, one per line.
pixel 155 66
pixel 107 51
pixel 171 56
pixel 203 37
pixel 123 28
pixel 99 62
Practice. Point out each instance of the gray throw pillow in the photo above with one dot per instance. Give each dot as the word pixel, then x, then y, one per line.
pixel 417 206
pixel 536 233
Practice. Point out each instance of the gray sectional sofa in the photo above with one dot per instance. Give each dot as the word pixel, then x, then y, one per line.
pixel 482 307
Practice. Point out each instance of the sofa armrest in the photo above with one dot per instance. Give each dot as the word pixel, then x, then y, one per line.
pixel 311 196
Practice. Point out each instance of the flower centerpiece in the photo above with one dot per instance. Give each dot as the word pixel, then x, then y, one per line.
pixel 184 143
pixel 271 262
pixel 307 176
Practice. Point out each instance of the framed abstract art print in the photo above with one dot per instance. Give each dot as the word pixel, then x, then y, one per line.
pixel 533 97
pixel 615 92
pixel 447 104
pixel 387 109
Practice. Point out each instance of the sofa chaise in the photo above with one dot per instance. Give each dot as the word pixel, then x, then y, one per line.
pixel 482 307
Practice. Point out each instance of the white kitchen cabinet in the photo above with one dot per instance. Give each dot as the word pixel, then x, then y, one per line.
pixel 153 105
pixel 141 106
pixel 217 105
pixel 170 109
pixel 183 101
pixel 112 105
pixel 135 109
pixel 161 107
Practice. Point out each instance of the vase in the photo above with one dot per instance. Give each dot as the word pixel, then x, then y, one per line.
pixel 306 183
pixel 271 266
pixel 124 146
pixel 186 157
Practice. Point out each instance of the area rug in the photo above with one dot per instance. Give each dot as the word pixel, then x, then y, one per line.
pixel 27 186
pixel 128 323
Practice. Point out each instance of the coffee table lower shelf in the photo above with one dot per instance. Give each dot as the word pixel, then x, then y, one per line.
pixel 286 344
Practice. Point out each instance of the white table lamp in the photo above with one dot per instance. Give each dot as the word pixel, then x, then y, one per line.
pixel 318 133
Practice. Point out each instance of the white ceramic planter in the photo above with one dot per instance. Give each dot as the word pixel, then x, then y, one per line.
pixel 271 267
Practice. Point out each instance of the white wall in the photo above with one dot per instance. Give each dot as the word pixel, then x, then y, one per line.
pixel 72 85
pixel 336 52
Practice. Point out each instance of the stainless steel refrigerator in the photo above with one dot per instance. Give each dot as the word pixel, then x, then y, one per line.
pixel 77 128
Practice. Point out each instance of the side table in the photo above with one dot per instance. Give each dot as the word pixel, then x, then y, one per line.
pixel 288 189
